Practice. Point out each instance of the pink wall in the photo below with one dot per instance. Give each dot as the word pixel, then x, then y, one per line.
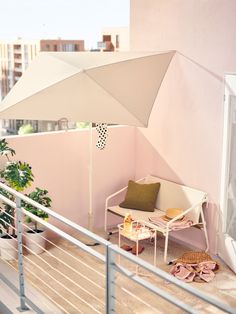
pixel 59 162
pixel 183 142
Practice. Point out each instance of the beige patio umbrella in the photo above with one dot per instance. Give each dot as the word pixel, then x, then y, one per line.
pixel 108 87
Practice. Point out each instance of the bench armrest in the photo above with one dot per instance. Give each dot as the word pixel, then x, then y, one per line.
pixel 186 211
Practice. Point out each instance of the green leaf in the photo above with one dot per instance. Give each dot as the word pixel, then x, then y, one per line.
pixel 26 129
pixel 28 219
pixel 40 196
pixel 18 175
pixel 4 149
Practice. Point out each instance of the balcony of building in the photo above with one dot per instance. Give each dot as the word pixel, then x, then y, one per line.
pixel 66 279
pixel 107 44
pixel 18 57
pixel 17 49
pixel 18 67
pixel 17 75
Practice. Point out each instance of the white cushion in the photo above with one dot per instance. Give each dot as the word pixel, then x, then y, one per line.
pixel 135 214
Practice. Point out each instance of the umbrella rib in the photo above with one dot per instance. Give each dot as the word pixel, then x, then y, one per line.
pixel 120 61
pixel 95 81
pixel 131 59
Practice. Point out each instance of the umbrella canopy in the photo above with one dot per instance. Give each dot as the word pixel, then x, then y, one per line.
pixel 111 87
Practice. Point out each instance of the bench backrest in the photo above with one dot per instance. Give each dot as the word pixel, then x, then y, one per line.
pixel 175 195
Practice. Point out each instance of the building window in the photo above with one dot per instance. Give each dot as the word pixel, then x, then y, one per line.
pixel 117 41
pixel 68 47
pixel 77 47
pixel 47 47
pixel 54 47
pixel 106 38
pixel 19 123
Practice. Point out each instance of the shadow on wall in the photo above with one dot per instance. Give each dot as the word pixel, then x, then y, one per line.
pixel 149 161
pixel 205 69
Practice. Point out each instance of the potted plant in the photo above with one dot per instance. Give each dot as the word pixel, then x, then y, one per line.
pixel 8 242
pixel 35 238
pixel 18 175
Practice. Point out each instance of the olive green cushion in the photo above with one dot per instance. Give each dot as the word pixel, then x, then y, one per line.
pixel 141 196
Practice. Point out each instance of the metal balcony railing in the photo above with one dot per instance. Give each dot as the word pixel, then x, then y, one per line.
pixel 77 296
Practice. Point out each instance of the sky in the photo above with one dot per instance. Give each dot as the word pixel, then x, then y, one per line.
pixel 68 19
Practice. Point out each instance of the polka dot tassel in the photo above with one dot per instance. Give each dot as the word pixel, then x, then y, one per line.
pixel 102 135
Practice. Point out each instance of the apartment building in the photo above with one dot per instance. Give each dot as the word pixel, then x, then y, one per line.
pixel 114 39
pixel 15 56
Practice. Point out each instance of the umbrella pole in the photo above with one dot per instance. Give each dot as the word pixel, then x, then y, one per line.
pixel 90 169
pixel 90 213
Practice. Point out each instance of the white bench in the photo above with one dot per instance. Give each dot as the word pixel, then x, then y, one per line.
pixel 170 195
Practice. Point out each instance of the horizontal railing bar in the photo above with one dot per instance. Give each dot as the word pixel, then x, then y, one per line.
pixel 72 256
pixel 53 290
pixel 36 265
pixel 9 254
pixel 12 286
pixel 60 260
pixel 172 279
pixel 75 258
pixel 7 201
pixel 52 213
pixel 31 282
pixel 165 295
pixel 57 281
pixel 65 236
pixel 63 275
pixel 11 236
pixel 62 285
pixel 46 294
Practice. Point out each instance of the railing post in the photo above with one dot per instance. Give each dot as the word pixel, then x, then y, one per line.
pixel 23 306
pixel 110 281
